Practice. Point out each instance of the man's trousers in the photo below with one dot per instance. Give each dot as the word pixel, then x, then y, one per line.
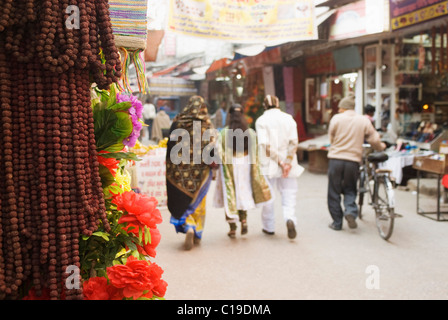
pixel 288 188
pixel 342 180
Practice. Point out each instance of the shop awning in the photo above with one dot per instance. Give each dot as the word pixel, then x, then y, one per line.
pixel 335 3
pixel 182 68
pixel 165 72
pixel 219 64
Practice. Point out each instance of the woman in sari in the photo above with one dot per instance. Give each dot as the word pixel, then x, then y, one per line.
pixel 188 178
pixel 240 185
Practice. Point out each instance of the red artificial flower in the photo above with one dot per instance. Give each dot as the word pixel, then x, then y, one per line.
pixel 109 163
pixel 139 209
pixel 148 249
pixel 97 289
pixel 160 285
pixel 134 278
pixel 45 294
pixel 32 295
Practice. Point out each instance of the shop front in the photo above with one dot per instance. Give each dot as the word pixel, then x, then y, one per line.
pixel 406 80
pixel 421 82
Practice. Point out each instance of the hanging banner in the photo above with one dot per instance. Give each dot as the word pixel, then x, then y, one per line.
pixel 358 19
pixel 405 13
pixel 245 21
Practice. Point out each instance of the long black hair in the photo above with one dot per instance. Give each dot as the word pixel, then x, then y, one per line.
pixel 237 122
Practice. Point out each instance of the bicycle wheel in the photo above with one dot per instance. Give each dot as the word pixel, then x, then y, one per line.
pixel 384 206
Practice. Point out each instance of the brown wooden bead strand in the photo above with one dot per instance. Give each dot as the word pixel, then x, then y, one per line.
pixel 48 160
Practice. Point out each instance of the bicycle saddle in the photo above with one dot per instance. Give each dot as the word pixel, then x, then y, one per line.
pixel 377 157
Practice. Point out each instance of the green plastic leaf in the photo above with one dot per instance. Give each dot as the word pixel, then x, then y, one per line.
pixel 115 147
pixel 103 235
pixel 112 188
pixel 121 155
pixel 123 125
pixel 140 235
pixel 112 96
pixel 147 235
pixel 131 245
pixel 106 176
pixel 120 253
pixel 122 106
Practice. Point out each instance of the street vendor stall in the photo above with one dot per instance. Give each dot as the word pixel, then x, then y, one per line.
pixel 317 149
pixel 436 164
pixel 399 160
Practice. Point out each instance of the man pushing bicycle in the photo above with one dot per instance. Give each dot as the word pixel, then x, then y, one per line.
pixel 347 132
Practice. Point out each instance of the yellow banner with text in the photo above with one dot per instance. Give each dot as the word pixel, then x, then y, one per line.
pixel 245 21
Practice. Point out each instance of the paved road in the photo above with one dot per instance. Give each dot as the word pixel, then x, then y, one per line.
pixel 319 264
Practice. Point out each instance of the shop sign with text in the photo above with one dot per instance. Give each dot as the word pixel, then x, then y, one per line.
pixel 405 13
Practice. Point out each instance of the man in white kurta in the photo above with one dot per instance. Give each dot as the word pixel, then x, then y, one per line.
pixel 278 142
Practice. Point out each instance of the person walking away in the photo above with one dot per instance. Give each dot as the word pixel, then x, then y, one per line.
pixel 369 110
pixel 347 132
pixel 149 113
pixel 240 184
pixel 188 182
pixel 162 121
pixel 278 142
pixel 221 116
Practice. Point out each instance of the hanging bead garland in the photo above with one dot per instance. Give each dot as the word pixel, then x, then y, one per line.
pixel 51 188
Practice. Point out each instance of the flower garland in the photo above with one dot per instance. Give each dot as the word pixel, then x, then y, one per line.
pixel 62 160
pixel 115 263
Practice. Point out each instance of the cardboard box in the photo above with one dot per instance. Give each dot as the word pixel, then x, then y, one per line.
pixel 428 164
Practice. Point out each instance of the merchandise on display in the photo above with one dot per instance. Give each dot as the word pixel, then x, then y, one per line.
pixel 60 189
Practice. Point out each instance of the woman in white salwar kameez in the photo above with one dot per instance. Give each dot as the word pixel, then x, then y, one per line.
pixel 240 186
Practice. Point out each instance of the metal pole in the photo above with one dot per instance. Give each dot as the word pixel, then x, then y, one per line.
pixel 439 177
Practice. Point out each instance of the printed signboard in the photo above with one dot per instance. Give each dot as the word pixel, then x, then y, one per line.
pixel 244 21
pixel 405 13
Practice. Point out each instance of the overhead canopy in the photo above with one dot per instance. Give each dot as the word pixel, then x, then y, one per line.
pixel 181 68
pixel 219 64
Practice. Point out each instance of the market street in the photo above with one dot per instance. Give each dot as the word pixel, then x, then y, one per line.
pixel 319 264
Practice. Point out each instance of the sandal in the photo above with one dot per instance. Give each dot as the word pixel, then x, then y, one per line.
pixel 243 227
pixel 232 232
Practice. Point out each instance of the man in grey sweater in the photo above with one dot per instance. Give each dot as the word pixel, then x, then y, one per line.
pixel 347 132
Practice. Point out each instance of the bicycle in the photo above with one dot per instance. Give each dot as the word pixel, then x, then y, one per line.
pixel 382 195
